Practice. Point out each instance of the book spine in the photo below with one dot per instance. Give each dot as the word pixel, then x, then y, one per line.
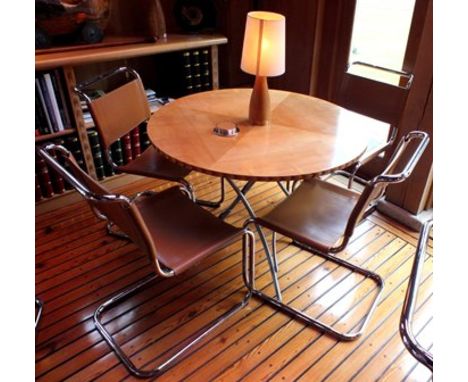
pixel 144 138
pixel 44 177
pixel 97 153
pixel 73 145
pixel 61 142
pixel 187 72
pixel 53 100
pixel 117 153
pixel 205 70
pixel 108 169
pixel 42 109
pixel 196 71
pixel 127 148
pixel 135 138
pixel 48 104
pixel 58 185
pixel 61 99
pixel 38 188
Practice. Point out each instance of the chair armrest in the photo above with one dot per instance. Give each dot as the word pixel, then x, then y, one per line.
pixel 403 175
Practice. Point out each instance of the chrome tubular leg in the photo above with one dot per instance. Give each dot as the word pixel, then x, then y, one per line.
pixel 115 233
pixel 39 305
pixel 161 368
pixel 244 191
pixel 248 252
pixel 188 188
pixel 284 189
pixel 109 227
pixel 406 329
pixel 217 203
pixel 273 250
pixel 249 209
pixel 299 315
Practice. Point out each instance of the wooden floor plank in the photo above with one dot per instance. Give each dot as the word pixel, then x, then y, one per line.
pixel 78 266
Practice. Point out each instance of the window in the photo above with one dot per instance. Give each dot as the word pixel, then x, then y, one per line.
pixel 380 34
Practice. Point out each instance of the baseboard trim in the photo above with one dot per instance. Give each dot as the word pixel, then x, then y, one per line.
pixel 414 222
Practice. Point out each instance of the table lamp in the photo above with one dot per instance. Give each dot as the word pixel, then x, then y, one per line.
pixel 263 55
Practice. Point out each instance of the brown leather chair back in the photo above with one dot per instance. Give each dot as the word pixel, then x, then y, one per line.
pixel 118 112
pixel 117 208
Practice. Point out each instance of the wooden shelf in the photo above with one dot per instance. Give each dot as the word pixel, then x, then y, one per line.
pixel 46 137
pixel 173 42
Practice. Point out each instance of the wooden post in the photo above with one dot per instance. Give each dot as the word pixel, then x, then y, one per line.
pixel 79 121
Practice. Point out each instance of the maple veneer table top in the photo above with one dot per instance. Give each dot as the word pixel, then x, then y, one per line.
pixel 307 136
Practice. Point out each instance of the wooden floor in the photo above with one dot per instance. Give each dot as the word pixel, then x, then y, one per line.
pixel 78 266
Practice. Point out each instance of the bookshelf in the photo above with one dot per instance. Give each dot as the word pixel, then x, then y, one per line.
pixel 79 64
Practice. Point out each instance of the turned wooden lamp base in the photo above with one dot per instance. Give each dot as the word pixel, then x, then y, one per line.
pixel 259 109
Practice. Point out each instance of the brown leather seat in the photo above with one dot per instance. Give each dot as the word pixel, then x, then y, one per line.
pixel 316 214
pixel 152 162
pixel 184 233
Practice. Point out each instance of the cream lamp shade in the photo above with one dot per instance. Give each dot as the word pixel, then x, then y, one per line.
pixel 263 53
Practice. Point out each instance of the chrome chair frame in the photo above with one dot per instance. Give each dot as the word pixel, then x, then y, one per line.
pixel 81 90
pixel 248 265
pixel 40 306
pixel 406 329
pixel 387 177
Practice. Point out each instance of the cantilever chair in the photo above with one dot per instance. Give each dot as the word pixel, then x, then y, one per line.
pixel 406 332
pixel 121 110
pixel 167 226
pixel 320 217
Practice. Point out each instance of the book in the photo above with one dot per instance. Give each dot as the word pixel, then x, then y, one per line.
pixel 126 148
pixel 58 184
pixel 95 144
pixel 73 145
pixel 61 142
pixel 196 71
pixel 44 177
pixel 144 138
pixel 205 70
pixel 135 139
pixel 188 72
pixel 63 162
pixel 58 85
pixel 48 104
pixel 117 152
pixel 41 110
pixel 37 188
pixel 53 100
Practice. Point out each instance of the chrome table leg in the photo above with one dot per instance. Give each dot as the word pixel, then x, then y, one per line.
pixel 244 191
pixel 271 262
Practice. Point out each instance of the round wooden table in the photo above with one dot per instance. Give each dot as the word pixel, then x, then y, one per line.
pixel 307 136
